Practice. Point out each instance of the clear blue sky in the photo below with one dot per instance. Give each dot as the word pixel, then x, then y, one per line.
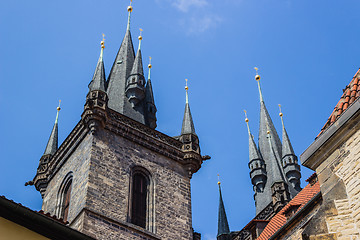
pixel 307 52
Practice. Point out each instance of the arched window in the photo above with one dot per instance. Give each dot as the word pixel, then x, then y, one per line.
pixel 139 197
pixel 64 197
pixel 141 202
pixel 66 201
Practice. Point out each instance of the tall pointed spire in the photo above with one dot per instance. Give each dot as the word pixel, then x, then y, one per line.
pixel 135 90
pixel 223 225
pixel 119 74
pixel 287 148
pixel 253 151
pixel 188 124
pixel 52 144
pixel 290 160
pixel 150 102
pixel 256 163
pixel 98 80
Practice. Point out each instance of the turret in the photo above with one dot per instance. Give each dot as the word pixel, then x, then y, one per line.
pixel 94 114
pixel 135 85
pixel 189 139
pixel 223 225
pixel 41 178
pixel 150 102
pixel 256 163
pixel 289 159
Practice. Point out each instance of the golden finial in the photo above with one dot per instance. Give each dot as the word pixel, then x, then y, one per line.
pixel 257 76
pixel 149 66
pixel 58 108
pixel 186 89
pixel 140 37
pixel 280 114
pixel 57 113
pixel 130 8
pixel 218 180
pixel 186 86
pixel 246 119
pixel 103 41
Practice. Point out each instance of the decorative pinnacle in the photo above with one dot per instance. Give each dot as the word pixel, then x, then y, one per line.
pixel 103 41
pixel 257 78
pixel 140 38
pixel 129 8
pixel 281 115
pixel 218 180
pixel 247 122
pixel 149 66
pixel 186 89
pixel 57 114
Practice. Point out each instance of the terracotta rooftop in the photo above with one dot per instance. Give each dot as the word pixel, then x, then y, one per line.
pixel 350 94
pixel 299 201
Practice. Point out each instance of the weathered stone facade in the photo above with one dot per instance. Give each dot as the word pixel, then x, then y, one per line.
pixel 335 156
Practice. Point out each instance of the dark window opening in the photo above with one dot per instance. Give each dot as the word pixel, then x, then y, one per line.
pixel 139 199
pixel 66 201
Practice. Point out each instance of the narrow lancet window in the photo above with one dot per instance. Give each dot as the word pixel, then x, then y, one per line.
pixel 139 199
pixel 66 201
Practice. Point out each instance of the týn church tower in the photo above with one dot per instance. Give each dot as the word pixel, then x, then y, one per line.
pixel 115 176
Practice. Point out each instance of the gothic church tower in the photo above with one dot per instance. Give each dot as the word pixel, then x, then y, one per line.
pixel 274 169
pixel 115 176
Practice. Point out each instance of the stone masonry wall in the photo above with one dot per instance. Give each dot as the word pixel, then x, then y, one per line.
pixel 339 177
pixel 78 163
pixel 112 158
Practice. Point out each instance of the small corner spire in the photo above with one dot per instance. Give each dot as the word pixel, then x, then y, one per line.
pixel 52 144
pixel 149 66
pixel 98 80
pixel 140 38
pixel 188 124
pixel 257 78
pixel 129 9
pixel 223 225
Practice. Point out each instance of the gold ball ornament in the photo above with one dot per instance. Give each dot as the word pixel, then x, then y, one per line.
pixel 58 108
pixel 268 132
pixel 149 66
pixel 140 37
pixel 218 182
pixel 280 114
pixel 257 77
pixel 129 8
pixel 246 120
pixel 186 87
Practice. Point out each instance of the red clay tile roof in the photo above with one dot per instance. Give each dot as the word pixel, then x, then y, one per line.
pixel 350 94
pixel 301 199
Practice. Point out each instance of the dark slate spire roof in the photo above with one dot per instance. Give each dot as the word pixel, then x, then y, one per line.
pixel 253 151
pixel 188 124
pixel 138 65
pixel 149 92
pixel 118 75
pixel 287 148
pixel 98 80
pixel 52 144
pixel 223 225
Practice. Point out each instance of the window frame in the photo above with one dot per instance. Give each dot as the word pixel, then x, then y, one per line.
pixel 150 206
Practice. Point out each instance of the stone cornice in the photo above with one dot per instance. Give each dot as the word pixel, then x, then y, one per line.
pixel 143 135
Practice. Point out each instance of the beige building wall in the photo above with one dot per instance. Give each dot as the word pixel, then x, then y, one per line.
pixel 10 230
